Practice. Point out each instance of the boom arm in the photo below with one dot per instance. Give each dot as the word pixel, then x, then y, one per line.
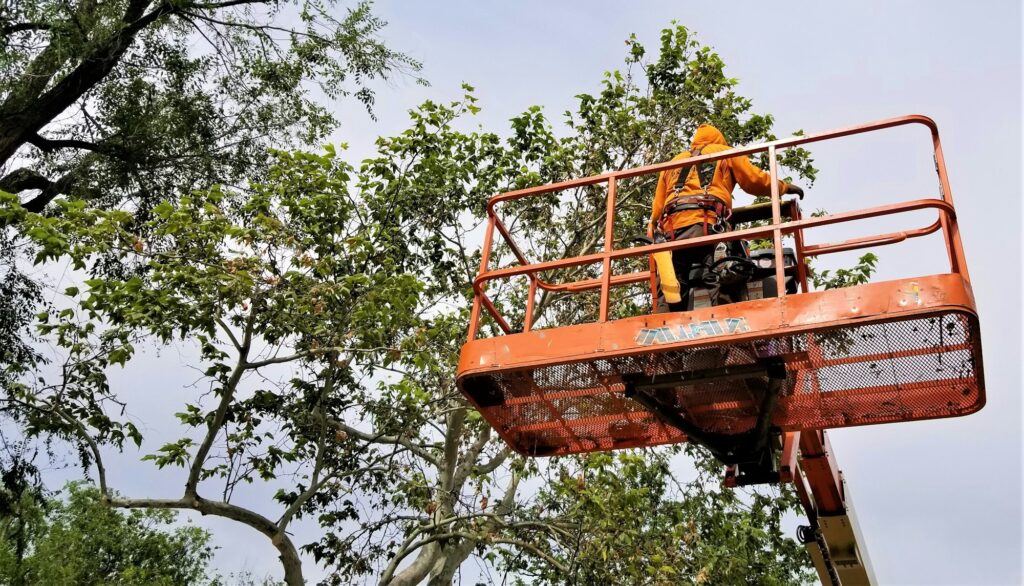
pixel 832 537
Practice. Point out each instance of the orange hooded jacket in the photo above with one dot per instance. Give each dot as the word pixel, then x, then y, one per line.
pixel 729 172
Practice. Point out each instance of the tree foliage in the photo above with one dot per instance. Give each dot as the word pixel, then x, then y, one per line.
pixel 22 508
pixel 327 304
pixel 697 532
pixel 80 541
pixel 858 274
pixel 20 299
pixel 140 100
pixel 289 264
pixel 126 103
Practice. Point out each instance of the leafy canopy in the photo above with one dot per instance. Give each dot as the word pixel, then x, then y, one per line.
pixel 125 103
pixel 135 101
pixel 80 541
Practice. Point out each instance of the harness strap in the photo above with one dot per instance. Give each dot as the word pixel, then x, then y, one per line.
pixel 705 173
pixel 706 203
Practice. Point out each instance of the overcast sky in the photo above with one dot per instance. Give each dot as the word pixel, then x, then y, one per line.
pixel 939 502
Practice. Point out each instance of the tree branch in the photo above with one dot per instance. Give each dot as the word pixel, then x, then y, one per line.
pixel 25 26
pixel 529 547
pixel 288 553
pixel 231 335
pixel 101 472
pixel 227 395
pixel 469 458
pixel 494 462
pixel 226 4
pixel 315 352
pixel 24 117
pixel 23 180
pixel 455 420
pixel 49 145
pixel 508 500
pixel 388 439
pixel 415 573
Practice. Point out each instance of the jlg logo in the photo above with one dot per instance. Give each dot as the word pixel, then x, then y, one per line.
pixel 703 329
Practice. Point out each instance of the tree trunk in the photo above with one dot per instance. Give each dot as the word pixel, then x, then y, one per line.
pixel 452 559
pixel 420 568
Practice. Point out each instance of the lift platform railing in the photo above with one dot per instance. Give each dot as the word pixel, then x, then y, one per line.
pixel 946 222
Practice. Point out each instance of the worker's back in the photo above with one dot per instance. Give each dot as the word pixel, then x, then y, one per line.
pixel 723 179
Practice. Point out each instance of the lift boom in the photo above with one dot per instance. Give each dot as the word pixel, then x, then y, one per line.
pixel 832 537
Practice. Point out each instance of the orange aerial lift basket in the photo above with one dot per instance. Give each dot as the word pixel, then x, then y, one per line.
pixel 723 376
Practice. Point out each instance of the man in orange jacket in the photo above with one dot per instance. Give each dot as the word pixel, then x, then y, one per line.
pixel 700 202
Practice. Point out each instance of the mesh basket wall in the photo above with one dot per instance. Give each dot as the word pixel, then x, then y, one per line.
pixel 907 369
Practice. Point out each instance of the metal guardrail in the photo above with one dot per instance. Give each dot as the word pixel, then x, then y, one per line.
pixel 943 204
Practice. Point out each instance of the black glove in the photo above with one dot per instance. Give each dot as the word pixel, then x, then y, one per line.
pixel 795 189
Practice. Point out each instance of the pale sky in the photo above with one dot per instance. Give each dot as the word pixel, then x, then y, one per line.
pixel 938 502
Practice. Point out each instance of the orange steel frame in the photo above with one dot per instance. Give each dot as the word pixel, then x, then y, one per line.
pixel 806 457
pixel 945 222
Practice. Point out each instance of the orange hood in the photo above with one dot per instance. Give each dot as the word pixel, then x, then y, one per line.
pixel 707 134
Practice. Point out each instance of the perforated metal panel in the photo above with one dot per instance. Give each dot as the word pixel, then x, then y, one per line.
pixel 912 368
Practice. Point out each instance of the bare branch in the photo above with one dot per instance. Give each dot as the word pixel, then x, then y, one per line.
pixel 101 472
pixel 455 420
pixel 25 26
pixel 227 396
pixel 494 462
pixel 415 573
pixel 49 145
pixel 508 500
pixel 288 553
pixel 529 547
pixel 315 352
pixel 471 455
pixel 231 335
pixel 23 180
pixel 388 439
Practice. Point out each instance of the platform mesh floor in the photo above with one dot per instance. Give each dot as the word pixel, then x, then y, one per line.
pixel 917 368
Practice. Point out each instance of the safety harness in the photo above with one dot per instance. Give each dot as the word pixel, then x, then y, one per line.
pixel 670 282
pixel 706 202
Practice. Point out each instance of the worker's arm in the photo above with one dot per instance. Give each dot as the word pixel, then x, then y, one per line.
pixel 753 180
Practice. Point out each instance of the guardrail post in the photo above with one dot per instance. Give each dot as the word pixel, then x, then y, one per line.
pixel 485 258
pixel 609 236
pixel 949 225
pixel 780 267
pixel 528 318
pixel 801 258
